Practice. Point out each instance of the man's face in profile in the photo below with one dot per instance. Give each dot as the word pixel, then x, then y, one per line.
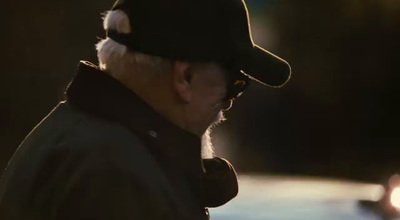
pixel 208 101
pixel 207 97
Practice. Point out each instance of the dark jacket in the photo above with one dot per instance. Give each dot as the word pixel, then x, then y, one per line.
pixel 105 154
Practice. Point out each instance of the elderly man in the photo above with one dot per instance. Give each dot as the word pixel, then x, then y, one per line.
pixel 131 141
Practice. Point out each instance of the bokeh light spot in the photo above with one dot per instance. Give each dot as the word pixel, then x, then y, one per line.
pixel 395 197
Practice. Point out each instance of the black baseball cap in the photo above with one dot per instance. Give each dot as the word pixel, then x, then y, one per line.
pixel 200 30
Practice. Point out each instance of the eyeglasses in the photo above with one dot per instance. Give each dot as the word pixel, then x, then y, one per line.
pixel 236 84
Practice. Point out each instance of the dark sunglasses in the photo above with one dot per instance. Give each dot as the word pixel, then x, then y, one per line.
pixel 237 82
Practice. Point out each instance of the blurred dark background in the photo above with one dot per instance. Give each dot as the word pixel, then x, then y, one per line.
pixel 337 117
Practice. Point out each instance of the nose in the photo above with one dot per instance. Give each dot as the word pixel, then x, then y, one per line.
pixel 227 105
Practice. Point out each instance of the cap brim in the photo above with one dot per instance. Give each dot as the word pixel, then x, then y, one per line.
pixel 264 67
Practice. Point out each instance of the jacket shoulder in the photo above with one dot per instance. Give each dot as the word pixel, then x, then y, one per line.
pixel 100 139
pixel 70 153
pixel 68 134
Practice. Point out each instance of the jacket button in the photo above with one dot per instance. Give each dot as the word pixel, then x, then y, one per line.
pixel 153 134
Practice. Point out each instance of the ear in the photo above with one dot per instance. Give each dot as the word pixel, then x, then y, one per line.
pixel 181 79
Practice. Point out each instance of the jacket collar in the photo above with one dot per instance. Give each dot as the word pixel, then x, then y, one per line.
pixel 95 92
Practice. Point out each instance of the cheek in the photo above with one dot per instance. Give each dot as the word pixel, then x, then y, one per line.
pixel 206 110
pixel 211 105
pixel 211 97
pixel 207 100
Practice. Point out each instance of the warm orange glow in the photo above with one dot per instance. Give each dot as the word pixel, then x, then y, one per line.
pixel 395 197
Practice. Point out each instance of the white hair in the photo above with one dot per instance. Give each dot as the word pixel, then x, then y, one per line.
pixel 120 62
